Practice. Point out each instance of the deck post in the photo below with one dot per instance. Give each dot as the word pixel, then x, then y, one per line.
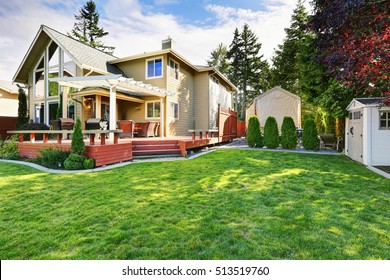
pixel 103 138
pixel 32 137
pixel 112 123
pixel 21 137
pixel 162 114
pixel 92 139
pixel 59 138
pixel 45 137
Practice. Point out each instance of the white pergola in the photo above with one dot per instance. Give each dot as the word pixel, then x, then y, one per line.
pixel 114 83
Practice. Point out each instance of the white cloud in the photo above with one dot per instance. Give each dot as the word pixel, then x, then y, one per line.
pixel 134 29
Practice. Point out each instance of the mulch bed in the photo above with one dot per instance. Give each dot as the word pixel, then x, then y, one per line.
pixel 384 168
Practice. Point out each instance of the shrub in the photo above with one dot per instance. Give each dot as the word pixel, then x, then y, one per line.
pixel 78 146
pixel 271 133
pixel 89 163
pixel 253 135
pixel 9 148
pixel 309 135
pixel 74 162
pixel 52 158
pixel 289 138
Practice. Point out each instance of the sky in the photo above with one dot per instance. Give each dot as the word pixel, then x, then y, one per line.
pixel 138 26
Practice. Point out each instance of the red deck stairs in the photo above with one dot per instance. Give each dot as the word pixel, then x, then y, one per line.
pixel 156 148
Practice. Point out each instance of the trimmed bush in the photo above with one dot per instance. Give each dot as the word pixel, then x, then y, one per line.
pixel 309 135
pixel 253 135
pixel 52 158
pixel 78 146
pixel 74 162
pixel 271 133
pixel 289 138
pixel 89 163
pixel 9 148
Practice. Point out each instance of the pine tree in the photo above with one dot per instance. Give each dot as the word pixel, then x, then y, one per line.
pixel 271 133
pixel 22 109
pixel 253 135
pixel 218 59
pixel 289 138
pixel 285 70
pixel 86 29
pixel 77 145
pixel 247 66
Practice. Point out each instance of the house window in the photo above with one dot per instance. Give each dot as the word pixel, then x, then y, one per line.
pixel 384 119
pixel 174 110
pixel 173 69
pixel 152 110
pixel 154 68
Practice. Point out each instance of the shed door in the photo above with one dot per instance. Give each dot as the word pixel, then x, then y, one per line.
pixel 355 136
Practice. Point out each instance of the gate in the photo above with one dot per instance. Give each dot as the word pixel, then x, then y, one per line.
pixel 227 124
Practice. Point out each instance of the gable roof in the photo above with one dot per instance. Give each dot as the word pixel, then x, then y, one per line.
pixel 271 91
pixel 84 56
pixel 358 103
pixel 9 87
pixel 179 57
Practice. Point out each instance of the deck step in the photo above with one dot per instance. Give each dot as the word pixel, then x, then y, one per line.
pixel 156 152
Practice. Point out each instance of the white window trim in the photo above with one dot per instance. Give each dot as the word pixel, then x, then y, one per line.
pixel 178 69
pixel 387 120
pixel 172 110
pixel 162 68
pixel 146 109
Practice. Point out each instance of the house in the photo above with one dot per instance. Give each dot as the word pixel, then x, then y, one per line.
pixel 160 86
pixel 8 107
pixel 278 103
pixel 368 131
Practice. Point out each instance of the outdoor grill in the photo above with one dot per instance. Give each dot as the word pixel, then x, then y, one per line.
pixel 92 124
pixel 66 123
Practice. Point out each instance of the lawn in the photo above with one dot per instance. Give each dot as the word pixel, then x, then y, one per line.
pixel 232 204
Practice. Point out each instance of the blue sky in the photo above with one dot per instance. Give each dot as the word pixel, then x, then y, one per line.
pixel 137 26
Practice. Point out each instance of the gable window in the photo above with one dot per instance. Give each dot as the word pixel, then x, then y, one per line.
pixel 153 110
pixel 154 68
pixel 174 110
pixel 173 69
pixel 384 119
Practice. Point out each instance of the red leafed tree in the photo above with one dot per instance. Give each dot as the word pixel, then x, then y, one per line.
pixel 353 40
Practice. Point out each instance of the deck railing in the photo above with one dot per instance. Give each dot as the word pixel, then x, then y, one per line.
pixel 59 134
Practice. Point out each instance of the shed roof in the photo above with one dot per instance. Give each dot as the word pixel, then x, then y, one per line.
pixel 358 103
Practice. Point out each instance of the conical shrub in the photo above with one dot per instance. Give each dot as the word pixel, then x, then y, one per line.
pixel 289 138
pixel 310 139
pixel 253 135
pixel 271 133
pixel 78 146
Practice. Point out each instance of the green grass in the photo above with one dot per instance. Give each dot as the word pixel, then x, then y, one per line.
pixel 224 205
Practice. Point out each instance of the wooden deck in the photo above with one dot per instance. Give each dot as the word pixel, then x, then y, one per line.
pixel 124 150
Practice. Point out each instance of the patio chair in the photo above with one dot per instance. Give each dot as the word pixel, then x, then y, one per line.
pixel 152 129
pixel 143 129
pixel 329 141
pixel 128 128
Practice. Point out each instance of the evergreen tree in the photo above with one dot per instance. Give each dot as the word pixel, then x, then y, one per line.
pixel 77 145
pixel 218 59
pixel 253 135
pixel 86 29
pixel 22 109
pixel 310 139
pixel 271 133
pixel 289 138
pixel 247 66
pixel 285 70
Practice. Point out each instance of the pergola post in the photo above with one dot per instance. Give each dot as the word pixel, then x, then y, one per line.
pixel 112 113
pixel 162 114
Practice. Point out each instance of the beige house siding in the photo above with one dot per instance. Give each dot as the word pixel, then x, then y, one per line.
pixel 218 95
pixel 184 89
pixel 136 69
pixel 201 101
pixel 8 104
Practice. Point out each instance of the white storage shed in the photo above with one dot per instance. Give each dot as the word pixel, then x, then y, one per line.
pixel 278 103
pixel 367 131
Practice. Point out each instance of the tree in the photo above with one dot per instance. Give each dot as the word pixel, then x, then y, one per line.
pixel 77 145
pixel 253 135
pixel 218 59
pixel 289 138
pixel 86 29
pixel 353 44
pixel 22 109
pixel 309 135
pixel 247 66
pixel 285 71
pixel 271 133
